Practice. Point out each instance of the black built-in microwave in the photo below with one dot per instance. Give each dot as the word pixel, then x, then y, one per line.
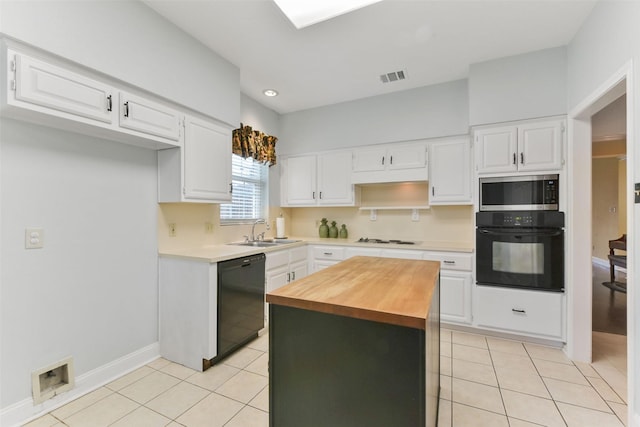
pixel 519 193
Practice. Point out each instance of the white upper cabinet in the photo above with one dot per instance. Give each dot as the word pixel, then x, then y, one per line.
pixel 143 115
pixel 65 96
pixel 200 171
pixel 450 172
pixel 58 89
pixel 318 179
pixel 527 146
pixel 299 181
pixel 390 163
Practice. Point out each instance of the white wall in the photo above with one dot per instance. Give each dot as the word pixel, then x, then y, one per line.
pixel 608 40
pixel 91 292
pixel 518 87
pixel 129 41
pixel 427 112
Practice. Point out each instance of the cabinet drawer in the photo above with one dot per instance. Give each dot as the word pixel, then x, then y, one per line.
pixel 401 253
pixel 298 254
pixel 451 261
pixel 520 311
pixel 351 252
pixel 328 252
pixel 276 259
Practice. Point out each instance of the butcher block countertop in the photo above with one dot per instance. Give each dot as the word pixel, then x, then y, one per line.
pixel 386 290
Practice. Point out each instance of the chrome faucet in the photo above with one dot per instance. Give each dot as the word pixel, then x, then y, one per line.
pixel 253 228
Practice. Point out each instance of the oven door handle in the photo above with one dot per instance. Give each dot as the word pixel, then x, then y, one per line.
pixel 550 233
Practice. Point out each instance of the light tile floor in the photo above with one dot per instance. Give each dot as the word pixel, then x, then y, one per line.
pixel 485 381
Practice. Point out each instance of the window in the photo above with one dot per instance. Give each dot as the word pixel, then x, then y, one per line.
pixel 249 197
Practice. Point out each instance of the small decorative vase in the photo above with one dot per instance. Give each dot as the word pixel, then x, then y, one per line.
pixel 324 228
pixel 333 230
pixel 343 232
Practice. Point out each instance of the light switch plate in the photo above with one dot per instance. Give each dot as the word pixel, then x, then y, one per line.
pixel 33 238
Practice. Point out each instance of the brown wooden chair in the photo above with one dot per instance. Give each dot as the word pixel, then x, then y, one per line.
pixel 617 260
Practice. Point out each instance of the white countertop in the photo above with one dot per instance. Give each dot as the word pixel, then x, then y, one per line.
pixel 223 252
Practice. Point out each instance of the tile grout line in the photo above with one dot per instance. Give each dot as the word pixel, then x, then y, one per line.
pixel 555 403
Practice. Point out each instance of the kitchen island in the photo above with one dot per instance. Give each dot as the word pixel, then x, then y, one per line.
pixel 356 344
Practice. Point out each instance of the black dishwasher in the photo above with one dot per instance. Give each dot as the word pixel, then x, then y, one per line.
pixel 240 302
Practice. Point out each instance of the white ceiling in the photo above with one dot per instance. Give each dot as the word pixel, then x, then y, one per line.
pixel 341 59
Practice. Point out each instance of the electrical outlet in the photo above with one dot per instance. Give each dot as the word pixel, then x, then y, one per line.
pixel 172 229
pixel 415 215
pixel 208 227
pixel 33 238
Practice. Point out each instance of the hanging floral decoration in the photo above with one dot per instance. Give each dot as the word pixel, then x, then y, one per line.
pixel 252 143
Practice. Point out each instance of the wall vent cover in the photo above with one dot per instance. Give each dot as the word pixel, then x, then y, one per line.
pixel 393 76
pixel 52 380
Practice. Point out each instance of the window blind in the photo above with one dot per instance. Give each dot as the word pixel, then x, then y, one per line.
pixel 249 196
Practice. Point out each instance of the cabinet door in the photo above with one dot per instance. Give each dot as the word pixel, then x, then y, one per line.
pixel 540 146
pixel 369 159
pixel 300 181
pixel 407 157
pixel 455 297
pixel 298 270
pixel 496 149
pixel 207 161
pixel 59 89
pixel 142 115
pixel 449 173
pixel 277 277
pixel 334 179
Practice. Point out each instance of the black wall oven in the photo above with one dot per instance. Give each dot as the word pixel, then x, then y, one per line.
pixel 520 249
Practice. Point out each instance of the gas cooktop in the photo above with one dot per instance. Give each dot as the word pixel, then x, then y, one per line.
pixel 393 241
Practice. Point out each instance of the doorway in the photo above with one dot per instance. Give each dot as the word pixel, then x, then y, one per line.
pixel 608 233
pixel 579 234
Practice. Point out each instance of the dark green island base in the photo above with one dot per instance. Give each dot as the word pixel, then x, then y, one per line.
pixel 329 370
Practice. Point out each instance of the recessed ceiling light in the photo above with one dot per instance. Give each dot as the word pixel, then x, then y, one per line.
pixel 270 92
pixel 309 12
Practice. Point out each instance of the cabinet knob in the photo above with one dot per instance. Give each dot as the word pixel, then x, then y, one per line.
pixel 321 195
pixel 231 188
pixel 328 253
pixel 288 277
pixel 109 103
pixel 293 275
pixel 383 160
pixel 522 158
pixel 313 195
pixel 518 310
pixel 514 158
pixel 126 109
pixel 391 160
pixel 449 262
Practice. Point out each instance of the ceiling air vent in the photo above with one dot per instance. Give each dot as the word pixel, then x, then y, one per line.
pixel 393 77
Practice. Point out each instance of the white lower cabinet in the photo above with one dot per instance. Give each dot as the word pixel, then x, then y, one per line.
pixel 188 311
pixel 534 313
pixel 283 267
pixel 455 297
pixel 325 256
pixel 401 253
pixel 455 285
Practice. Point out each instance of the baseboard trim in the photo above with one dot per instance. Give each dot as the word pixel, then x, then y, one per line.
pixel 25 410
pixel 605 264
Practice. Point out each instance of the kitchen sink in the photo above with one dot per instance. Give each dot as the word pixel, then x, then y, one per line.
pixel 256 244
pixel 265 243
